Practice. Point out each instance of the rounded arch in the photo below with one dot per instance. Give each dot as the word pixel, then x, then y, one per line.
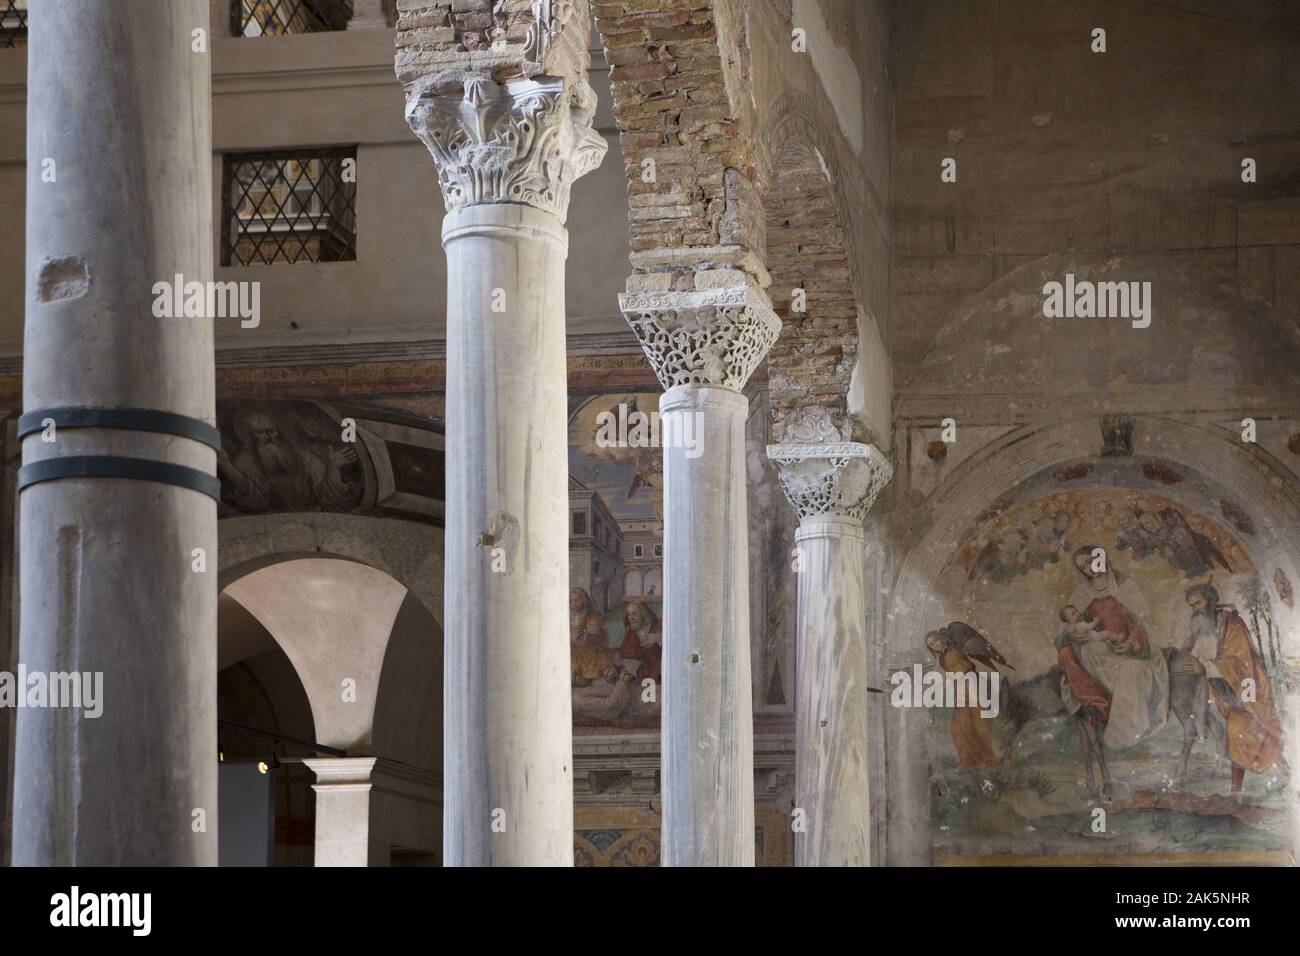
pixel 988 480
pixel 333 618
pixel 809 255
pixel 1005 464
pixel 407 551
pixel 296 571
pixel 407 723
pixel 654 583
pixel 632 583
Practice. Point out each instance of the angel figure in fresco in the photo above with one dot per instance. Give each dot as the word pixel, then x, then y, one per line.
pixel 972 734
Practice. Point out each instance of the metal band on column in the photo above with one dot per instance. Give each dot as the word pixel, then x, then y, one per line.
pixel 112 466
pixel 130 419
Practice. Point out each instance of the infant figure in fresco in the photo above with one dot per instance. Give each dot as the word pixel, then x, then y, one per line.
pixel 1075 628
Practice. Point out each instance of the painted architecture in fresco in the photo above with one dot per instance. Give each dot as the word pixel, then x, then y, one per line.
pixel 617 572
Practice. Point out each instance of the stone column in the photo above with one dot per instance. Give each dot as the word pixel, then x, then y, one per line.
pixel 704 345
pixel 832 486
pixel 506 157
pixel 115 506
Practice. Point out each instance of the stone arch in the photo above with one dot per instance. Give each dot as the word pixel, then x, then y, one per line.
pixel 407 551
pixel 1014 458
pixel 395 563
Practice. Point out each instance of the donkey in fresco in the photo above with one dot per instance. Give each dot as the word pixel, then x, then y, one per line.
pixel 1041 696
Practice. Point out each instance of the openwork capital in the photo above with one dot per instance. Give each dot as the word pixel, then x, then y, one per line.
pixel 834 478
pixel 525 142
pixel 705 336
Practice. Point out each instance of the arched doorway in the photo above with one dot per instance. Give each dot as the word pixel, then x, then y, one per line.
pixel 334 668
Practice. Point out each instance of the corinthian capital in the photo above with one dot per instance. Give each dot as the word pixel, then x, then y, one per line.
pixel 525 142
pixel 836 478
pixel 705 336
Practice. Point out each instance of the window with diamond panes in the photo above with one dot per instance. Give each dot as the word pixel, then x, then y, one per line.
pixel 273 18
pixel 13 23
pixel 290 206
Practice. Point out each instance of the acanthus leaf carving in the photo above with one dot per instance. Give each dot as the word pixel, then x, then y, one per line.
pixel 523 142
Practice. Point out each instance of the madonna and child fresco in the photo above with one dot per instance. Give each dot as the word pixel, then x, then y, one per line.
pixel 1139 674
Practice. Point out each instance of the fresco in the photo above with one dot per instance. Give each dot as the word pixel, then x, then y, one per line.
pixel 1141 679
pixel 616 567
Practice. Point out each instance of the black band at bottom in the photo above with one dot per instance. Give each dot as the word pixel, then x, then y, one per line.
pixel 109 466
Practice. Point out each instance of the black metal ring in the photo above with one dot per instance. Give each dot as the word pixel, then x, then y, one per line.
pixel 109 466
pixel 132 419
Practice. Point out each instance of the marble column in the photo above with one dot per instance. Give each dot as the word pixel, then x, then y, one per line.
pixel 704 345
pixel 116 500
pixel 506 158
pixel 832 486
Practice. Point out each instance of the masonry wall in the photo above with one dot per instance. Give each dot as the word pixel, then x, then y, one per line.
pixel 1059 149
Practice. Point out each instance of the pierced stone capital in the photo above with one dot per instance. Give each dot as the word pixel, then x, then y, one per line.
pixel 703 337
pixel 524 142
pixel 834 478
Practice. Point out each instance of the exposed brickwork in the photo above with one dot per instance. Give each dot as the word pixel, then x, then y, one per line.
pixel 671 105
pixel 428 31
pixel 496 36
pixel 812 362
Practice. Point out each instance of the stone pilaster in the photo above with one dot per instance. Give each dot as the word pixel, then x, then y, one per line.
pixel 832 486
pixel 703 345
pixel 367 805
pixel 508 143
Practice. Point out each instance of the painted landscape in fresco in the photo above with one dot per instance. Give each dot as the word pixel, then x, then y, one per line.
pixel 1121 717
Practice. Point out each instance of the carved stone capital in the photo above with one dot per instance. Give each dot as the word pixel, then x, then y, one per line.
pixel 703 337
pixel 524 142
pixel 835 478
pixel 811 425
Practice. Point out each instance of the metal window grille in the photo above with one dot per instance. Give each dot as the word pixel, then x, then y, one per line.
pixel 267 18
pixel 13 23
pixel 288 206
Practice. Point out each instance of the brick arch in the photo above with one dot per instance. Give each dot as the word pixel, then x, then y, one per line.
pixel 677 75
pixel 810 368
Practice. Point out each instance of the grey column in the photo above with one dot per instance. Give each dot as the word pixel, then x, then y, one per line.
pixel 832 486
pixel 506 156
pixel 122 106
pixel 704 345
